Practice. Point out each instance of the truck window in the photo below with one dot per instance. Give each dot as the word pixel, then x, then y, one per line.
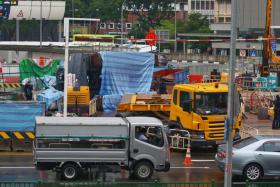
pixel 175 97
pixel 211 103
pixel 149 134
pixel 184 96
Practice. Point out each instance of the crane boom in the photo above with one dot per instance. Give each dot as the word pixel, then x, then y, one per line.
pixel 267 50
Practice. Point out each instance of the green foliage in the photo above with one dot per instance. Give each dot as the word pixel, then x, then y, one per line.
pixel 197 23
pixel 149 13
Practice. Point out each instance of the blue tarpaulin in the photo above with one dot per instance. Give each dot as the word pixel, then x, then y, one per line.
pixel 125 73
pixel 49 96
pixel 19 116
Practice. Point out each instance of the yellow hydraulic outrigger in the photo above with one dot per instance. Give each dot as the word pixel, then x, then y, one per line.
pixel 268 54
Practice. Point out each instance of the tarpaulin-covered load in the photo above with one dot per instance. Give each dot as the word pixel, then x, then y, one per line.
pixel 20 116
pixel 87 69
pixel 49 96
pixel 125 73
pixel 28 68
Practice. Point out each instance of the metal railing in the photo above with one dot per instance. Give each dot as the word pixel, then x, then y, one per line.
pixel 262 184
pixel 247 131
pixel 110 184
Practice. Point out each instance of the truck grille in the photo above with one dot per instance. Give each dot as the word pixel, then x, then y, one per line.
pixel 215 135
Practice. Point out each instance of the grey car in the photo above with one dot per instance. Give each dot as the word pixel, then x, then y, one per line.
pixel 253 157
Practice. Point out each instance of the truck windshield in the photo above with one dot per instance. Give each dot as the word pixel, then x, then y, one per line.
pixel 211 103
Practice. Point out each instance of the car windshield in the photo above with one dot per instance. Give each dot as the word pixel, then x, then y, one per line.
pixel 211 103
pixel 244 142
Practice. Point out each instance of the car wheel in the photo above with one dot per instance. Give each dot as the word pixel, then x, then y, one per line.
pixel 143 170
pixel 70 171
pixel 253 172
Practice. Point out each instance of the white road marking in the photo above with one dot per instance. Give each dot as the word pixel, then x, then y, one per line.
pixel 31 167
pixel 239 183
pixel 182 167
pixel 17 167
pixel 203 160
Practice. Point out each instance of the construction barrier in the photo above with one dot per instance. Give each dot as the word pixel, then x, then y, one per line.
pixel 110 184
pixel 5 141
pixel 22 141
pixel 246 131
pixel 10 85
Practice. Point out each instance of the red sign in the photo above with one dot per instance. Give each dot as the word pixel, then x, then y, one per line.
pixel 151 37
pixel 1 69
pixel 20 14
pixel 41 61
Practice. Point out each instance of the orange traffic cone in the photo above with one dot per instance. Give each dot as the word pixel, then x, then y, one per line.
pixel 188 159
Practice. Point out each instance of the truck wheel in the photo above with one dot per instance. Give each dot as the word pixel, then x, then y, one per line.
pixel 143 170
pixel 70 171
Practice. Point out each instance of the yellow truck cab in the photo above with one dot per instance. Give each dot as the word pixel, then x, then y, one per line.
pixel 201 109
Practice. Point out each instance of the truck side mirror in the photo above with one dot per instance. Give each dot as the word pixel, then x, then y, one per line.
pixel 187 106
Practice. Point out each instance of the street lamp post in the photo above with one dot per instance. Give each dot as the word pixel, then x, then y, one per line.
pixel 122 22
pixel 175 29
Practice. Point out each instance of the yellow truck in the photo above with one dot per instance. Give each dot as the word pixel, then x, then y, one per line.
pixel 199 108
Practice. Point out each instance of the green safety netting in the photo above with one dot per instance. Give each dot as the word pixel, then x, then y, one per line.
pixel 28 68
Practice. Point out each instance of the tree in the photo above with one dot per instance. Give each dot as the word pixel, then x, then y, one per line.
pixel 197 23
pixel 150 12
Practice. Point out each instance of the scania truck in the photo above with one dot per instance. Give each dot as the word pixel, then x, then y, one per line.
pixel 199 108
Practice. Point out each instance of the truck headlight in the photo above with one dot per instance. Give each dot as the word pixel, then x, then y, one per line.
pixel 197 135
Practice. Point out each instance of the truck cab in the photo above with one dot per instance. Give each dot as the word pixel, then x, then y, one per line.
pixel 201 109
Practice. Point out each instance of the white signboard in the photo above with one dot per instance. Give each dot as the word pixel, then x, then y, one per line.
pixel 51 10
pixel 242 53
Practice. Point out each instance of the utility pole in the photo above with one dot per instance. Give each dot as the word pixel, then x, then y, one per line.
pixel 175 29
pixel 122 22
pixel 41 24
pixel 231 86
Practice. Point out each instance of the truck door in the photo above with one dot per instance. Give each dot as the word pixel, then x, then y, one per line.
pixel 148 143
pixel 184 109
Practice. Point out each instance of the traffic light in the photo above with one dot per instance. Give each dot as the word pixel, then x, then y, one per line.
pixel 13 2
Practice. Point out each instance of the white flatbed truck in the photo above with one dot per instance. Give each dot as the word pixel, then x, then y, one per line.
pixel 73 144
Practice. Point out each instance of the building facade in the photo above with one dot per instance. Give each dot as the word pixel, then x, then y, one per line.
pixel 204 7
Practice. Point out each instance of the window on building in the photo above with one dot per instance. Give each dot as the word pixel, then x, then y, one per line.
pixel 111 26
pixel 202 5
pixel 228 19
pixel 221 19
pixel 182 6
pixel 197 5
pixel 119 25
pixel 193 5
pixel 102 25
pixel 207 5
pixel 212 5
pixel 128 26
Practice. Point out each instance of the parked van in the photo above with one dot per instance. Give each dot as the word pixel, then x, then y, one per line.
pixel 74 144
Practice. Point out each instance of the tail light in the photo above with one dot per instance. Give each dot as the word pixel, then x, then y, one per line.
pixel 222 154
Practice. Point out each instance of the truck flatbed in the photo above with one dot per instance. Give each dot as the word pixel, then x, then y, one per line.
pixel 145 102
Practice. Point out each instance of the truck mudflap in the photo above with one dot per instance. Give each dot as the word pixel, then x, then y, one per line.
pixel 164 168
